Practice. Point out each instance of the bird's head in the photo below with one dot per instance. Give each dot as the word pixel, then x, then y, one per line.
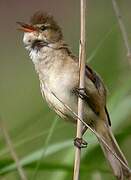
pixel 41 30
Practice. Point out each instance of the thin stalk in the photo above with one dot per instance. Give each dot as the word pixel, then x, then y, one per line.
pixel 123 29
pixel 81 85
pixel 12 151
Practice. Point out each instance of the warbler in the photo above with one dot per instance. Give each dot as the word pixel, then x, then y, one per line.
pixel 58 72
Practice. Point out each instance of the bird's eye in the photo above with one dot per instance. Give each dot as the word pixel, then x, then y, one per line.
pixel 43 28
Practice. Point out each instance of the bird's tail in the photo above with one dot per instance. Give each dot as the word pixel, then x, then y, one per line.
pixel 118 169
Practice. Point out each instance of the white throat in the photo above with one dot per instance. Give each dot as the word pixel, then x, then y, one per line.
pixel 35 55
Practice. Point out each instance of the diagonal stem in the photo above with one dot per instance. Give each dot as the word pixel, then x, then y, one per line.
pixel 122 29
pixel 12 151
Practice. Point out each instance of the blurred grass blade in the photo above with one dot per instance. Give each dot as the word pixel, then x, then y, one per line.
pixel 28 140
pixel 46 143
pixel 52 149
pixel 44 166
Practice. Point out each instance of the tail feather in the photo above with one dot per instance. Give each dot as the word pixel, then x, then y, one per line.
pixel 118 169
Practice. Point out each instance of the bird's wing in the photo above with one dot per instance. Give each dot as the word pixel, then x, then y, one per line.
pixel 96 99
pixel 96 80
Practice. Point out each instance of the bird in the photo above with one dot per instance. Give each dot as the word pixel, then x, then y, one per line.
pixel 58 71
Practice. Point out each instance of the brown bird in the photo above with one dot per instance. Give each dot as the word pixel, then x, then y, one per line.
pixel 58 71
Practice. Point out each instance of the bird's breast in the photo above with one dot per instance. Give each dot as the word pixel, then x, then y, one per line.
pixel 60 84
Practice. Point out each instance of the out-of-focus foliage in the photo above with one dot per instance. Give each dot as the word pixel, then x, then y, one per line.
pixel 43 142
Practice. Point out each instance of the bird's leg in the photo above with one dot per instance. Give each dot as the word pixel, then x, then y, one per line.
pixel 80 142
pixel 84 130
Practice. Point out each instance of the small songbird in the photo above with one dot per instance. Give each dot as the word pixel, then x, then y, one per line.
pixel 58 71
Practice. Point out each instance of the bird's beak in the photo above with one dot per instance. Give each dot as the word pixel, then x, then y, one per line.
pixel 26 27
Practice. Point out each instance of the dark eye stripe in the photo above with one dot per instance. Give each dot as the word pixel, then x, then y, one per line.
pixel 44 27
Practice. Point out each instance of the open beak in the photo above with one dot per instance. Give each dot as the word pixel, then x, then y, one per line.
pixel 26 27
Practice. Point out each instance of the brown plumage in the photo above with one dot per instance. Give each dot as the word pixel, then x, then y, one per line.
pixel 44 18
pixel 41 18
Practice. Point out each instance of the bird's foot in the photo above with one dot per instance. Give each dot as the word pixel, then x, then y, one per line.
pixel 80 143
pixel 80 92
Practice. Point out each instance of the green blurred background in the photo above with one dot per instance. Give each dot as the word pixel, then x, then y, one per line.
pixel 43 142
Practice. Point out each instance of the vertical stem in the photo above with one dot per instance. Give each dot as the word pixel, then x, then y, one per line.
pixel 81 85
